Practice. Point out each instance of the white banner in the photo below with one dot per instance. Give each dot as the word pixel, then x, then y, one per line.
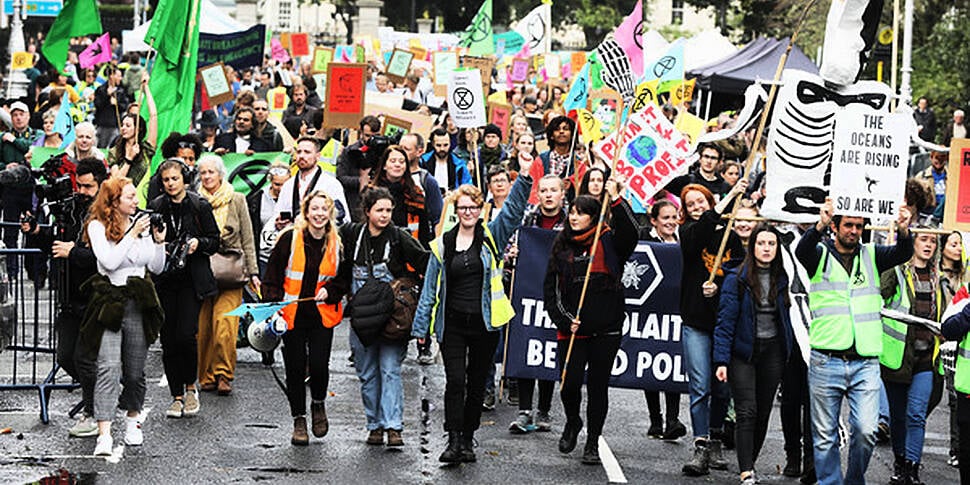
pixel 536 29
pixel 466 102
pixel 869 162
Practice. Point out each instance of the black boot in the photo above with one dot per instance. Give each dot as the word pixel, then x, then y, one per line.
pixel 912 473
pixel 900 471
pixel 591 453
pixel 793 461
pixel 570 432
pixel 468 447
pixel 656 430
pixel 452 453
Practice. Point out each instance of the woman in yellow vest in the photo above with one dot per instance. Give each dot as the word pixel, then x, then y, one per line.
pixel 956 327
pixel 466 265
pixel 908 354
pixel 304 264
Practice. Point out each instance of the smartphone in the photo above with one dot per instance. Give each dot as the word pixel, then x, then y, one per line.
pixel 286 216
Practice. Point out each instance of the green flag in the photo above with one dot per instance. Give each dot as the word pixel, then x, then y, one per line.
pixel 478 37
pixel 174 34
pixel 77 19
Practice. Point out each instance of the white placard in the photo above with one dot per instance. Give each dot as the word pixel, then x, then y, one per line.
pixel 869 162
pixel 466 101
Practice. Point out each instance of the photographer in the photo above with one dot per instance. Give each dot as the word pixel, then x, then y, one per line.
pixel 191 237
pixel 65 242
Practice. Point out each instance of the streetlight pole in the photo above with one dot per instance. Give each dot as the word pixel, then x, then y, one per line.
pixel 17 81
pixel 905 88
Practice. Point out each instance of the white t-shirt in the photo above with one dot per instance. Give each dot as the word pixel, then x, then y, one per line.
pixel 441 172
pixel 326 182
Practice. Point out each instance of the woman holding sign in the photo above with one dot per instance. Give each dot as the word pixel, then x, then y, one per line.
pixel 752 341
pixel 598 326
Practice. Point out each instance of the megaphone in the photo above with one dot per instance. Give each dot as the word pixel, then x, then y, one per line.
pixel 265 335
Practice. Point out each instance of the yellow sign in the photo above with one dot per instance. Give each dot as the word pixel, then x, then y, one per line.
pixel 690 126
pixel 590 128
pixel 22 60
pixel 645 94
pixel 682 93
pixel 886 35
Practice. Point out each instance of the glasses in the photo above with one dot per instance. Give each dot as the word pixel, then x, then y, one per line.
pixel 468 209
pixel 259 109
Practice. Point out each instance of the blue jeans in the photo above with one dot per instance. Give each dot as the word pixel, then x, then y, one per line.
pixel 708 396
pixel 379 369
pixel 907 411
pixel 883 405
pixel 830 380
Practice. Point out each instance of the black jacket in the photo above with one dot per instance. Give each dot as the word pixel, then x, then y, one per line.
pixel 81 262
pixel 194 219
pixel 105 115
pixel 699 242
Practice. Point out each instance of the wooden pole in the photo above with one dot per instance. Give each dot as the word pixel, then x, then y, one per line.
pixel 773 91
pixel 596 237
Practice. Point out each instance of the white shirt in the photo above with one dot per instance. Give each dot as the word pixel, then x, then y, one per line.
pixel 327 183
pixel 242 143
pixel 441 172
pixel 129 257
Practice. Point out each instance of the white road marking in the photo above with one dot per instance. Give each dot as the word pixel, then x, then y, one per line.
pixel 163 381
pixel 613 471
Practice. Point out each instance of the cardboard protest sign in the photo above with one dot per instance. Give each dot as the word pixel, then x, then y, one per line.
pixel 520 71
pixel 322 57
pixel 216 84
pixel 442 63
pixel 420 123
pixel 278 52
pixel 484 66
pixel 399 65
pixel 394 127
pixel 553 66
pixel 651 152
pixel 500 114
pixel 344 103
pixel 300 44
pixel 956 213
pixel 240 50
pixel 577 60
pixel 870 157
pixel 650 355
pixel 466 102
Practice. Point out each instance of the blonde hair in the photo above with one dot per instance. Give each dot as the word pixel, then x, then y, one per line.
pixel 471 192
pixel 300 223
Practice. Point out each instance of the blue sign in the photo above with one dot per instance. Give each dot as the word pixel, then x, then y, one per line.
pixel 36 8
pixel 650 355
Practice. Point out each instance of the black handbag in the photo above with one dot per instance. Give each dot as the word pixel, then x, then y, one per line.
pixel 372 305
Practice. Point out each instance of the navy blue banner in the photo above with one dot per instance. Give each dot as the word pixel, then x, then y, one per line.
pixel 240 50
pixel 650 356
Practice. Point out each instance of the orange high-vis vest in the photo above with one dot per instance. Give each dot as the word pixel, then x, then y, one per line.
pixel 330 314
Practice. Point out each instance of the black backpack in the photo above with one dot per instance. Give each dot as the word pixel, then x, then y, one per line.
pixel 372 305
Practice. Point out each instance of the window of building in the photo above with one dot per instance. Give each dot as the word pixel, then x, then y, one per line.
pixel 677 12
pixel 285 14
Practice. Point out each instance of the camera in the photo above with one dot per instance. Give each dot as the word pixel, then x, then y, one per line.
pixel 178 254
pixel 156 219
pixel 54 187
pixel 369 154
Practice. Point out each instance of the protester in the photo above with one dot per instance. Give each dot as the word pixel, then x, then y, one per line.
pixel 131 154
pixel 187 148
pixel 378 249
pixel 262 208
pixel 523 151
pixel 447 169
pixel 304 265
pixel 595 329
pixel 593 183
pixel 243 137
pixel 217 331
pixel 753 341
pixel 297 115
pixel 123 316
pixel 559 159
pixel 413 145
pixel 352 175
pixel 85 144
pixel 409 210
pixel 705 173
pixel 465 259
pixel 309 178
pixel 110 99
pixel 845 335
pixel 187 281
pixel 956 327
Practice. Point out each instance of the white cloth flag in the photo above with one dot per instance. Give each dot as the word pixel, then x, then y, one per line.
pixel 536 29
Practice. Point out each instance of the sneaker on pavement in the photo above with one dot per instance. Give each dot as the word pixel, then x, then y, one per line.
pixel 191 404
pixel 176 409
pixel 84 427
pixel 655 431
pixel 425 356
pixel 104 446
pixel 749 480
pixel 674 431
pixel 489 403
pixel 543 421
pixel 953 461
pixel 522 424
pixel 133 434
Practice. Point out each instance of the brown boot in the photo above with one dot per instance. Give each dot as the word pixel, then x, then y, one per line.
pixel 375 437
pixel 224 386
pixel 318 414
pixel 300 438
pixel 394 438
pixel 208 387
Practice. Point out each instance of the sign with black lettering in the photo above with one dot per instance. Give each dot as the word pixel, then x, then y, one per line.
pixel 650 355
pixel 869 162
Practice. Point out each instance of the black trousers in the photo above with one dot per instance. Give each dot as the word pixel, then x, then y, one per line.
pixel 596 355
pixel 307 345
pixel 180 351
pixel 467 349
pixel 963 420
pixel 72 359
pixel 753 386
pixel 527 389
pixel 796 420
pixel 672 402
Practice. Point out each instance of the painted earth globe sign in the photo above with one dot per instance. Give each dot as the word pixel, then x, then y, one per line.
pixel 641 151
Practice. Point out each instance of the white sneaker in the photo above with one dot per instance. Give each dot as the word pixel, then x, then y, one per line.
pixel 104 446
pixel 84 427
pixel 133 434
pixel 192 404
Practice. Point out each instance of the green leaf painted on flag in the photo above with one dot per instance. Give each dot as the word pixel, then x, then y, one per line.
pixel 479 37
pixel 76 19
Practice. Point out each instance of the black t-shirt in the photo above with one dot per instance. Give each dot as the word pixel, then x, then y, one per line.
pixel 465 275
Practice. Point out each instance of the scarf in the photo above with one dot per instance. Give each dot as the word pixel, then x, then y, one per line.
pixel 489 157
pixel 220 200
pixel 585 240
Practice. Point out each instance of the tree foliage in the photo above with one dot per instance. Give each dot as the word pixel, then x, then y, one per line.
pixel 938 61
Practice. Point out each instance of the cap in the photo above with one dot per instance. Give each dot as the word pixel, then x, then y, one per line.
pixel 19 105
pixel 208 119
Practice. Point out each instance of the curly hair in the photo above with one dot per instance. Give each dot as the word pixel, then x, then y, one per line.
pixel 105 209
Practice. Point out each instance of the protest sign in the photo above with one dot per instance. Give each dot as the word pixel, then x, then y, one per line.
pixel 22 60
pixel 216 83
pixel 240 50
pixel 956 213
pixel 322 56
pixel 510 42
pixel 577 60
pixel 420 123
pixel 399 64
pixel 300 44
pixel 442 63
pixel 499 114
pixel 869 162
pixel 484 66
pixel 651 152
pixel 553 66
pixel 344 104
pixel 520 71
pixel 395 127
pixel 650 355
pixel 278 52
pixel 466 102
